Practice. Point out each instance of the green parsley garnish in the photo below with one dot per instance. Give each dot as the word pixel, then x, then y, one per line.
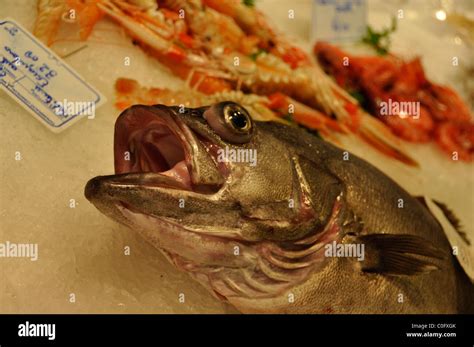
pixel 255 55
pixel 359 97
pixel 289 117
pixel 380 40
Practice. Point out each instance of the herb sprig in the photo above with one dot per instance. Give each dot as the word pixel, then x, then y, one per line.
pixel 249 3
pixel 255 55
pixel 380 40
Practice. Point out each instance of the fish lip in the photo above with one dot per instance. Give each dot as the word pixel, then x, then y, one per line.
pixel 92 188
pixel 97 186
pixel 234 236
pixel 129 180
pixel 167 118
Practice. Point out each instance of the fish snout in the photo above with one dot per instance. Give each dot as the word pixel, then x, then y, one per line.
pixel 92 189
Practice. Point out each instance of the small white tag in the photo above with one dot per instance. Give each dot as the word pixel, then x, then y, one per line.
pixel 338 20
pixel 464 254
pixel 41 81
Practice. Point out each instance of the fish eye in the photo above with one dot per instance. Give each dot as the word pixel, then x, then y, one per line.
pixel 230 121
pixel 237 117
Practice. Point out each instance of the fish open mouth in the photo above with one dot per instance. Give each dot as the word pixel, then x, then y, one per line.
pixel 156 142
pixel 155 148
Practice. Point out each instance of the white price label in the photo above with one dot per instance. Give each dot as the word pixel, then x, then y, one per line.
pixel 338 20
pixel 42 82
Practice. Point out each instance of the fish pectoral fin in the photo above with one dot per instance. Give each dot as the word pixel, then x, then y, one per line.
pixel 402 254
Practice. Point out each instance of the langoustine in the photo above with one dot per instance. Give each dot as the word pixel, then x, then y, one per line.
pixel 260 62
pixel 443 116
pixel 263 108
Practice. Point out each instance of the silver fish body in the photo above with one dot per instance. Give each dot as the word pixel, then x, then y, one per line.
pixel 278 236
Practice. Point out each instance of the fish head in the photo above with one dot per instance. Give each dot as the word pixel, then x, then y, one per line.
pixel 219 194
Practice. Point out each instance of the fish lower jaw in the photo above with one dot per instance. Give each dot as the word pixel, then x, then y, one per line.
pixel 193 247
